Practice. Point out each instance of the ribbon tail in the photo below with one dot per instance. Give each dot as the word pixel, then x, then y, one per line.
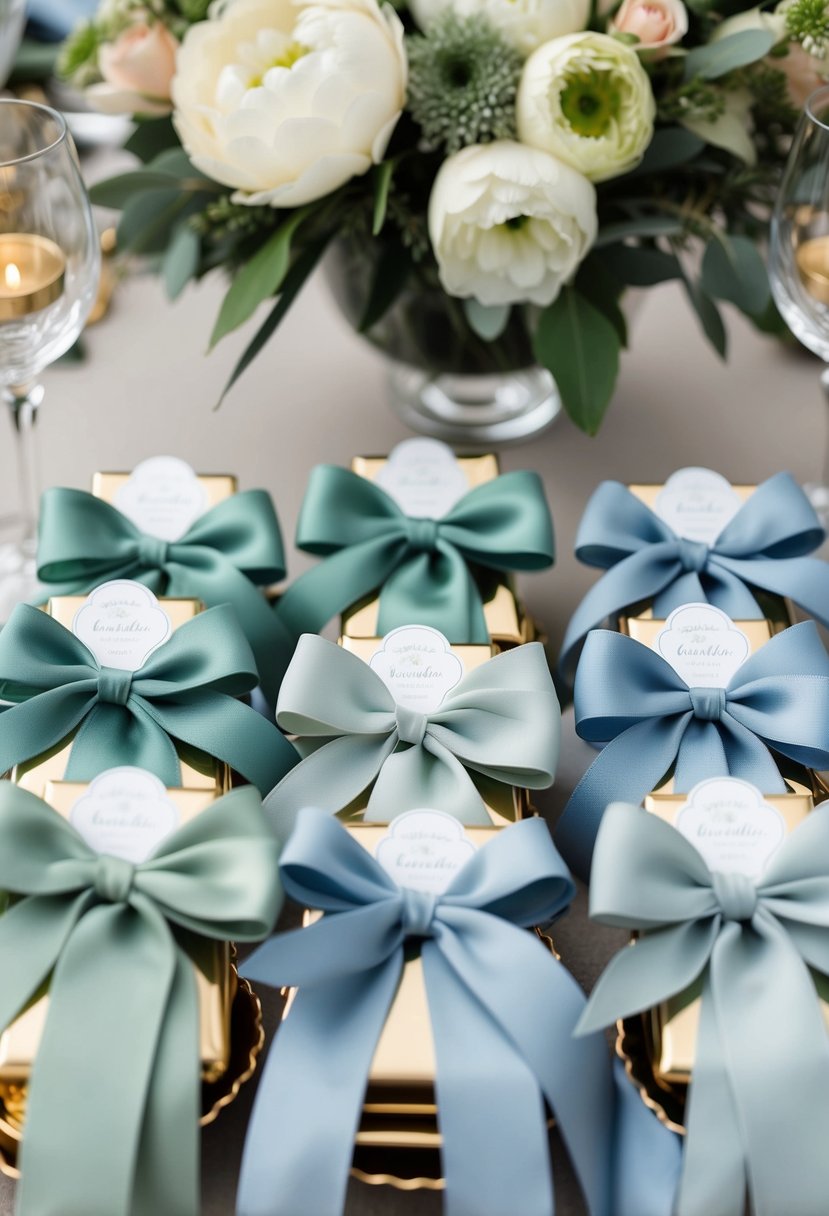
pixel 425 775
pixel 438 589
pixel 487 1096
pixel 88 1135
pixel 745 756
pixel 37 724
pixel 171 1122
pixel 231 731
pixel 802 579
pixel 300 1139
pixel 627 769
pixel 647 1157
pixel 44 923
pixel 111 735
pixel 330 778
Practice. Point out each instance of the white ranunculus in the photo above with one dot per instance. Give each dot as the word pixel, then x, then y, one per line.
pixel 526 23
pixel 509 224
pixel 586 99
pixel 288 101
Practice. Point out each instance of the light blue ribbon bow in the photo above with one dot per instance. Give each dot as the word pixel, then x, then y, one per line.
pixel 763 546
pixel 502 1011
pixel 758 1111
pixel 628 694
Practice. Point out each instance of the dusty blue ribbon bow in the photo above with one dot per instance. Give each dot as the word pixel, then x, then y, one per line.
pixel 758 1112
pixel 502 1012
pixel 628 694
pixel 763 546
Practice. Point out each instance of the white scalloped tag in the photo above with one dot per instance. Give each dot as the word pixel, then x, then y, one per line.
pixel 163 497
pixel 423 477
pixel 703 645
pixel 416 664
pixel 122 623
pixel 424 850
pixel 697 504
pixel 732 826
pixel 125 813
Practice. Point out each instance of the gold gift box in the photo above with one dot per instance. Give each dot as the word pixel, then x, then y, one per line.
pixel 504 803
pixel 211 964
pixel 217 486
pixel 198 770
pixel 505 618
pixel 673 1025
pixel 778 611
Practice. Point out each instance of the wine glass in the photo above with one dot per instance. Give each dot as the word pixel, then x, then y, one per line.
pixel 12 15
pixel 49 267
pixel 799 255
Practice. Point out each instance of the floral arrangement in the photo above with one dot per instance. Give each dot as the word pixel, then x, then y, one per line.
pixel 518 163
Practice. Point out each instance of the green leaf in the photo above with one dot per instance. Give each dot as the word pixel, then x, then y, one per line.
pixel 147 221
pixel 715 59
pixel 581 349
pixel 118 191
pixel 597 283
pixel 640 266
pixel 177 163
pixel 488 321
pixel 670 146
pixel 181 261
pixel 258 279
pixel 151 137
pixel 642 225
pixel 294 281
pixel 733 270
pixel 382 183
pixel 391 273
pixel 708 314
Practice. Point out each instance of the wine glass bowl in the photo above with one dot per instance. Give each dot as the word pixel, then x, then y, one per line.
pixel 49 253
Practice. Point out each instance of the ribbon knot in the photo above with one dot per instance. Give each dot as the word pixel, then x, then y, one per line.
pixel 418 912
pixel 422 533
pixel 736 894
pixel 693 555
pixel 114 685
pixel 113 879
pixel 153 552
pixel 708 704
pixel 411 725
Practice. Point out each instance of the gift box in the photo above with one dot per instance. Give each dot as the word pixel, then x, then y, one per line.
pixel 507 622
pixel 672 1027
pixel 198 771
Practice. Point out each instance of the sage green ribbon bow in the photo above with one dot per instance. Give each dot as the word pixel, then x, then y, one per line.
pixel 421 566
pixel 502 721
pixel 223 558
pixel 113 1103
pixel 185 690
pixel 758 1109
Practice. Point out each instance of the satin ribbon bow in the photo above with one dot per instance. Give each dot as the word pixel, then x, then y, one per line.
pixel 185 690
pixel 113 1103
pixel 757 1105
pixel 222 558
pixel 628 694
pixel 501 721
pixel 421 566
pixel 763 546
pixel 502 1012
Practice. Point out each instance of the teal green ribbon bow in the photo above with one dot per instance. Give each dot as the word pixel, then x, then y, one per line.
pixel 502 1013
pixel 424 568
pixel 501 721
pixel 763 546
pixel 628 694
pixel 223 558
pixel 113 1102
pixel 185 690
pixel 757 1111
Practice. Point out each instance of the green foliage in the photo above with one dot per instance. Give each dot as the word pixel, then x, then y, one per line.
pixel 807 21
pixel 581 348
pixel 715 59
pixel 733 270
pixel 488 321
pixel 78 57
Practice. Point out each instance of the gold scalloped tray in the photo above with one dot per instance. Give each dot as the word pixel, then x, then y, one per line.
pixel 634 1047
pixel 247 1037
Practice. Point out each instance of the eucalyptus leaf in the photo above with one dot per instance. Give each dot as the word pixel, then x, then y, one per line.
pixel 488 321
pixel 118 191
pixel 670 146
pixel 640 266
pixel 259 278
pixel 715 59
pixel 708 314
pixel 597 283
pixel 147 220
pixel 177 163
pixel 733 270
pixel 580 347
pixel 391 273
pixel 151 137
pixel 181 261
pixel 382 183
pixel 295 279
pixel 642 225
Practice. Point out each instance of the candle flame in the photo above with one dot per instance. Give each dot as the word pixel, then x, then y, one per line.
pixel 12 275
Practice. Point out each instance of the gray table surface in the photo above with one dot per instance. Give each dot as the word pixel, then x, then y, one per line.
pixel 318 394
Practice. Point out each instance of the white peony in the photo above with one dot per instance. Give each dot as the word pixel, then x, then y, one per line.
pixel 288 101
pixel 526 23
pixel 586 99
pixel 509 224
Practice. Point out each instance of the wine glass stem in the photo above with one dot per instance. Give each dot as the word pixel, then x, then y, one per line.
pixel 23 401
